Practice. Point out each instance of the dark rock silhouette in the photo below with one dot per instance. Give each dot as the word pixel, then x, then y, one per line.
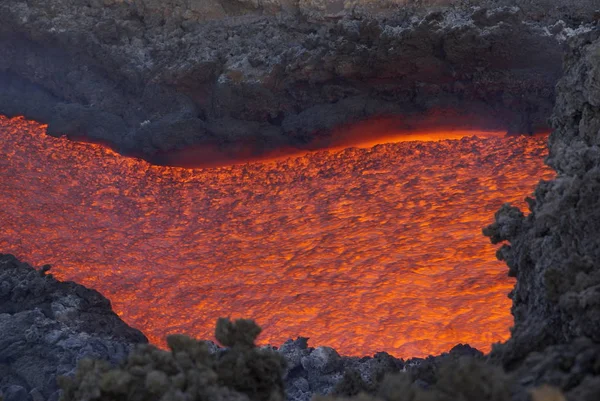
pixel 148 82
pixel 149 78
pixel 47 326
pixel 553 252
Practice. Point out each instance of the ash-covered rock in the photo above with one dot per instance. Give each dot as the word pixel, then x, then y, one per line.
pixel 464 378
pixel 201 370
pixel 47 326
pixel 151 77
pixel 554 251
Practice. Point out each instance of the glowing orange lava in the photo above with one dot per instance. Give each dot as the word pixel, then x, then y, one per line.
pixel 365 250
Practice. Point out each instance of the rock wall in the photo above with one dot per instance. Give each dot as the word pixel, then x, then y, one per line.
pixel 203 10
pixel 554 252
pixel 150 77
pixel 47 326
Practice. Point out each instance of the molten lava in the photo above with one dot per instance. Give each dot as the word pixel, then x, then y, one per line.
pixel 365 250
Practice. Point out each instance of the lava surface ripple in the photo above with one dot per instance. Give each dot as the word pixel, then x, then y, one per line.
pixel 364 250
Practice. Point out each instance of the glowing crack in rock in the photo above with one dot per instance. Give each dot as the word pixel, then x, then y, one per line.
pixel 364 250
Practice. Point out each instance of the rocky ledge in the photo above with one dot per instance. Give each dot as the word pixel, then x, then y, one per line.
pixel 47 326
pixel 554 252
pixel 150 78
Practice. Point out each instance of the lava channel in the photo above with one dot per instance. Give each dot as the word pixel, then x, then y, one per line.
pixel 365 250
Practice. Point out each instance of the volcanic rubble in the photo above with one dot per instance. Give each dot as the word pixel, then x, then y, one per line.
pixel 46 326
pixel 148 79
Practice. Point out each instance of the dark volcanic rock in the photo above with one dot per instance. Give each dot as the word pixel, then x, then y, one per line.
pixel 321 370
pixel 150 77
pixel 573 367
pixel 47 326
pixel 554 252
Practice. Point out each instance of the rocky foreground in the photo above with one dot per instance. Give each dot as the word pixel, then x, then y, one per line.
pixel 149 77
pixel 47 326
pixel 554 252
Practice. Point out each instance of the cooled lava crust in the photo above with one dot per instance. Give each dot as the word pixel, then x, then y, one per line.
pixel 152 77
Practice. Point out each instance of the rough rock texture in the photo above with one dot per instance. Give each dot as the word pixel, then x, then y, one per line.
pixel 574 368
pixel 554 252
pixel 199 370
pixel 189 371
pixel 312 371
pixel 203 10
pixel 318 370
pixel 465 379
pixel 47 326
pixel 151 77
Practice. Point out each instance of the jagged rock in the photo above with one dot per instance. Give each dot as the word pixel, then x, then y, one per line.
pixel 573 367
pixel 36 395
pixel 56 396
pixel 554 251
pixel 465 378
pixel 322 360
pixel 151 77
pixel 293 351
pixel 46 326
pixel 312 371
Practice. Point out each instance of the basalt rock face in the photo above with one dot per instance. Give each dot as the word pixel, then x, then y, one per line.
pixel 150 77
pixel 554 252
pixel 47 326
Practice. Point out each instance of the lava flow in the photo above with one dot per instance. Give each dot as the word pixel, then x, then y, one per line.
pixel 364 250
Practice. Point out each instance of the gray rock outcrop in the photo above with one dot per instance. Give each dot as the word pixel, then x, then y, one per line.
pixel 554 252
pixel 321 370
pixel 47 326
pixel 144 77
pixel 152 77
